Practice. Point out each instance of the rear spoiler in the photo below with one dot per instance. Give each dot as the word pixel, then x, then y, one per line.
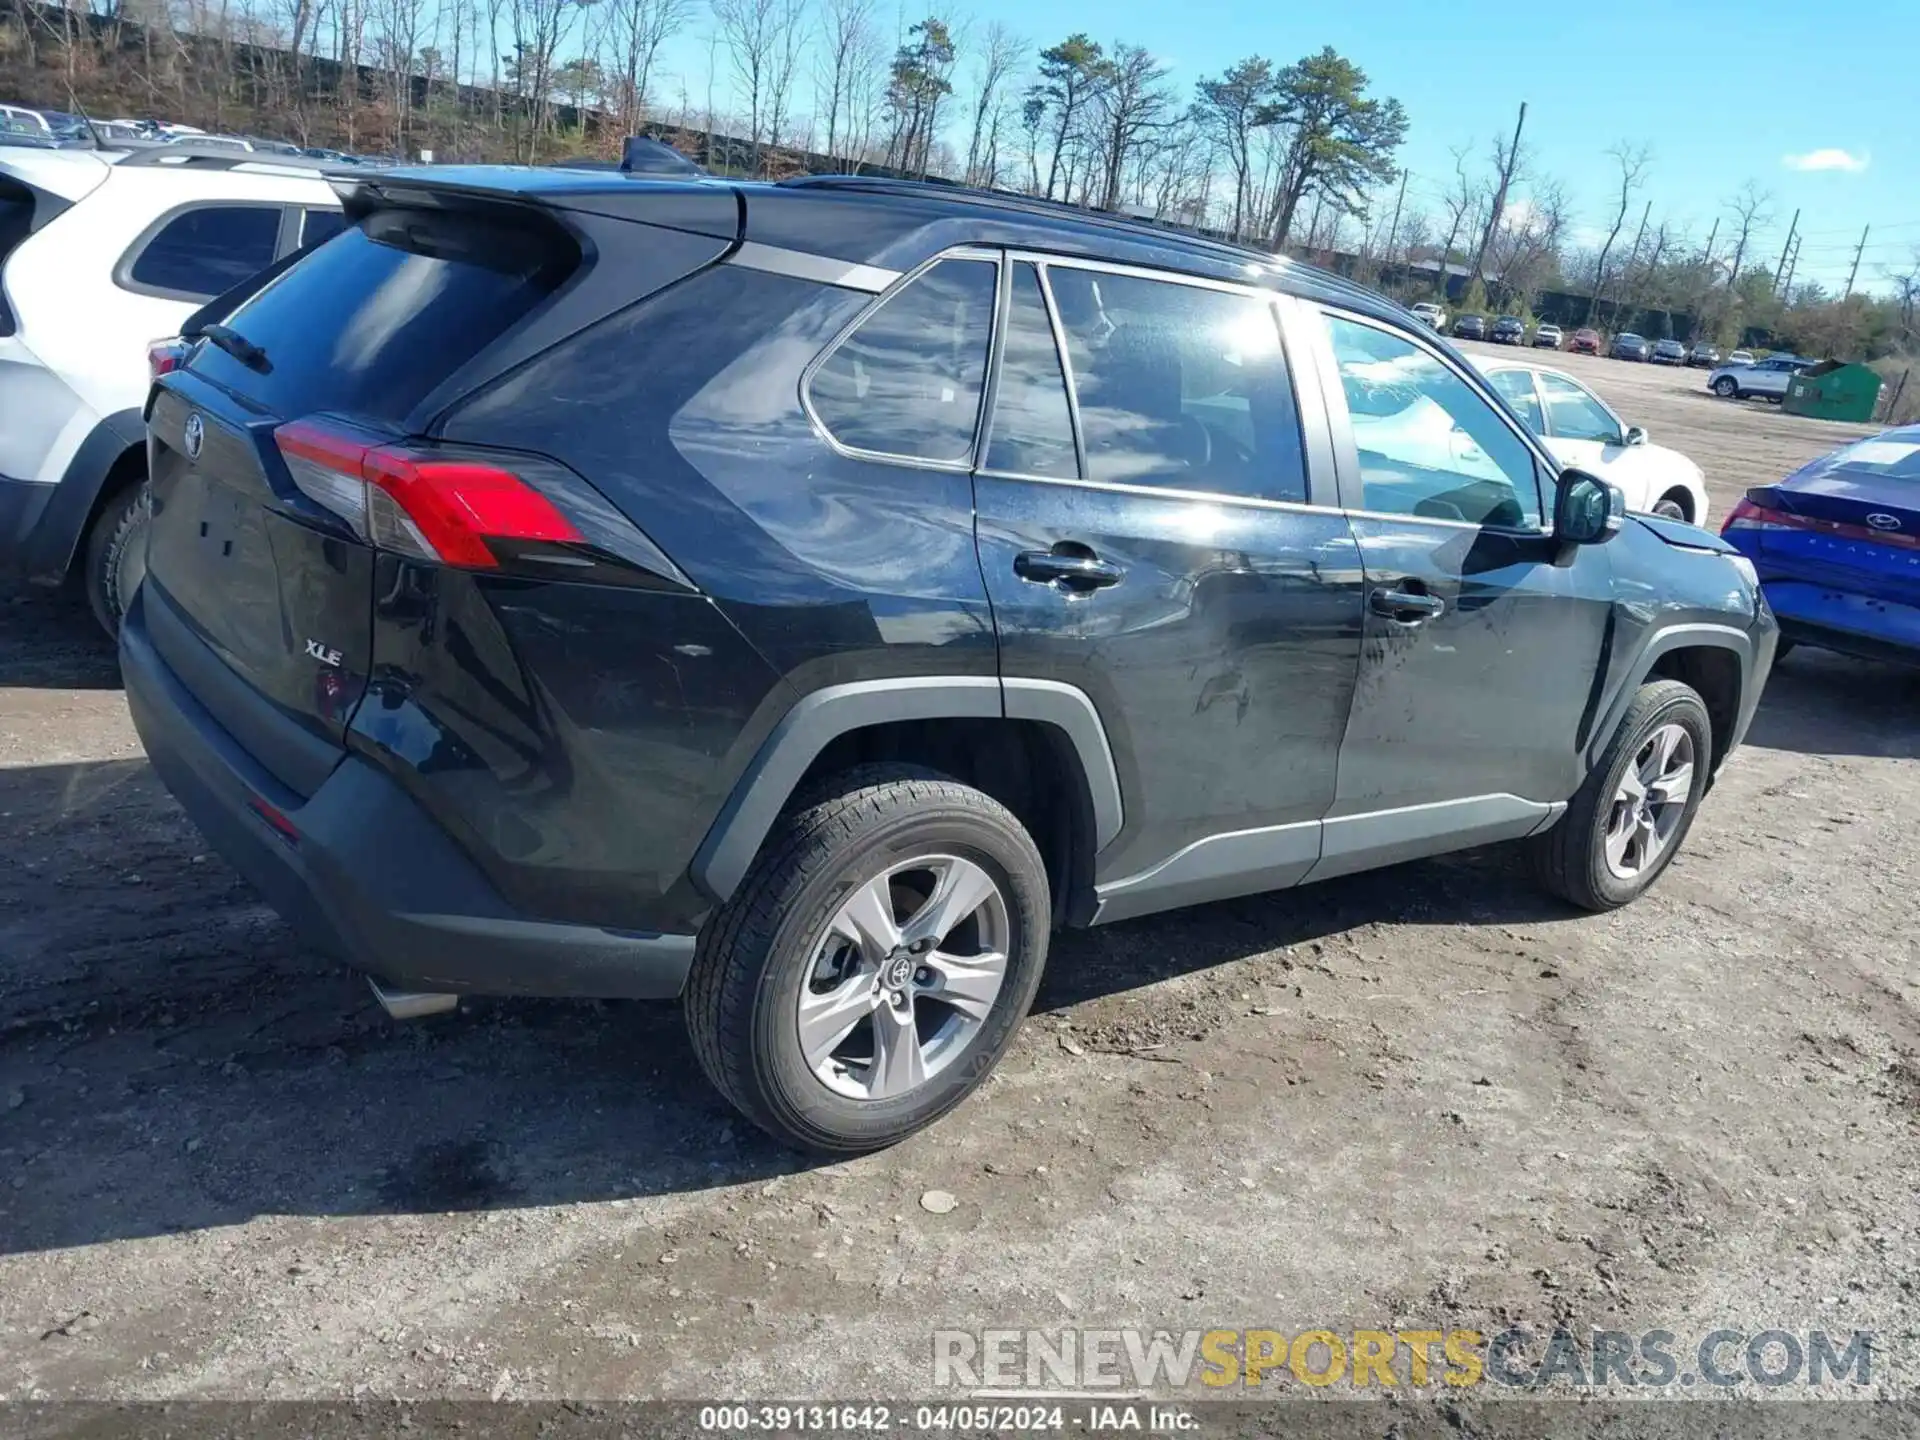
pixel 698 204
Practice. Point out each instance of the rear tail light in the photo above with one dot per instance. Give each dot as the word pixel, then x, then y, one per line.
pixel 1759 509
pixel 414 502
pixel 165 356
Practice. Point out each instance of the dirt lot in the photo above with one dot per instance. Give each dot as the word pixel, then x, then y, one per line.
pixel 1425 1097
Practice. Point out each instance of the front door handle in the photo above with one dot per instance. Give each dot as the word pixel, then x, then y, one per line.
pixel 1405 606
pixel 1076 568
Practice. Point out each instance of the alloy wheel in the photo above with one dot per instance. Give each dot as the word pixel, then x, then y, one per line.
pixel 904 977
pixel 1651 801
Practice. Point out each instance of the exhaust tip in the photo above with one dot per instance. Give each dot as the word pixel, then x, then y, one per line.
pixel 411 1004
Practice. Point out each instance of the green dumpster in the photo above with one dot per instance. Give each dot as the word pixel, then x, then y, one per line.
pixel 1833 390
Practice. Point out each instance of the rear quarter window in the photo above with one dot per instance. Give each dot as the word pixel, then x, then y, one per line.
pixel 197 253
pixel 375 318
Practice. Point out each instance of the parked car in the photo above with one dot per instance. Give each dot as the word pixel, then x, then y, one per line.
pixel 102 253
pixel 1583 431
pixel 1704 355
pixel 1547 337
pixel 1431 314
pixel 25 119
pixel 1508 330
pixel 1585 341
pixel 809 732
pixel 1740 357
pixel 1470 327
pixel 1766 378
pixel 1669 352
pixel 1837 545
pixel 199 139
pixel 1628 346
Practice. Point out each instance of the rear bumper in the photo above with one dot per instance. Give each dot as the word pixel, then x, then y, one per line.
pixel 1845 620
pixel 366 873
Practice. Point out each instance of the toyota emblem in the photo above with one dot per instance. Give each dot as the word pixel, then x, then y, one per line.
pixel 194 435
pixel 1880 520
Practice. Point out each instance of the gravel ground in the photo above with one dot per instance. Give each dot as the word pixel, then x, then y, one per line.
pixel 1424 1097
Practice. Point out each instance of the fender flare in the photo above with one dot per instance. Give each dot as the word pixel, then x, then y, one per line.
pixel 1691 635
pixel 820 718
pixel 57 536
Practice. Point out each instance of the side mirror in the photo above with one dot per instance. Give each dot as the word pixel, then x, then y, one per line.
pixel 1634 436
pixel 1586 509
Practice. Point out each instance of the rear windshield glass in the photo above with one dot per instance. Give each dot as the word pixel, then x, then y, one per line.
pixel 372 320
pixel 16 223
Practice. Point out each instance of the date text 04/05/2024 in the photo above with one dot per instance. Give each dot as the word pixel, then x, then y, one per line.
pixel 971 1417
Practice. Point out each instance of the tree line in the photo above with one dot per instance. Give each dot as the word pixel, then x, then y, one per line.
pixel 1302 156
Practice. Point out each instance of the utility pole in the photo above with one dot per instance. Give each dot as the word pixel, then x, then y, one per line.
pixel 1712 235
pixel 1394 229
pixel 1781 268
pixel 1793 264
pixel 1706 265
pixel 1859 250
pixel 1509 163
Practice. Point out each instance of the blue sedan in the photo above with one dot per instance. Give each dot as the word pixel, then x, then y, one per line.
pixel 1837 548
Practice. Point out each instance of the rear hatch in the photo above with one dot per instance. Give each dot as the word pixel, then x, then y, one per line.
pixel 1850 520
pixel 280 463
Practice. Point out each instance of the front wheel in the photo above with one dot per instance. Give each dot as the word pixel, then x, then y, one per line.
pixel 1670 508
pixel 1726 387
pixel 874 964
pixel 1624 825
pixel 117 556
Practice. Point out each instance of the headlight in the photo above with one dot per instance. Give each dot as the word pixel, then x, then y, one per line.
pixel 1745 567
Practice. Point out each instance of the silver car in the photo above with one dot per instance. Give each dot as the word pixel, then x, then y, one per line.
pixel 1767 378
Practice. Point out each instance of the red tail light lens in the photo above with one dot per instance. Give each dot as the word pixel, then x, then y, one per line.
pixel 165 356
pixel 412 502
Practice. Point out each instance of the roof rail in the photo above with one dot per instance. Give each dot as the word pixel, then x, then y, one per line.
pixel 186 155
pixel 1032 205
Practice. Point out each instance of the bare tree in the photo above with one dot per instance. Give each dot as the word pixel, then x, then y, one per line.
pixel 1461 203
pixel 1633 161
pixel 783 60
pixel 846 49
pixel 1906 294
pixel 1131 104
pixel 635 31
pixel 538 28
pixel 1509 163
pixel 751 30
pixel 1000 54
pixel 1750 214
pixel 1228 109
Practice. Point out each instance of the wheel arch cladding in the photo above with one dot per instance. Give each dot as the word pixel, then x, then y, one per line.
pixel 114 450
pixel 1716 660
pixel 838 719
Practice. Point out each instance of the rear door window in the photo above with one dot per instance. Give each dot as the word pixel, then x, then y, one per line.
pixel 1576 415
pixel 199 252
pixel 906 381
pixel 1032 426
pixel 1180 386
pixel 1516 388
pixel 372 321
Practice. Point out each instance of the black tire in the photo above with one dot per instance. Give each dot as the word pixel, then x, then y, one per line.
pixel 1727 388
pixel 1570 859
pixel 759 948
pixel 117 556
pixel 1669 507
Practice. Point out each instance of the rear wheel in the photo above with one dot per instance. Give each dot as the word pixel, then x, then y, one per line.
pixel 1624 825
pixel 117 555
pixel 875 962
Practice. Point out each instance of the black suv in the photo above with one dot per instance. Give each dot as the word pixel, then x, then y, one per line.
pixel 801 599
pixel 1508 330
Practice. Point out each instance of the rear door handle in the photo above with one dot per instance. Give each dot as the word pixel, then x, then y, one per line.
pixel 1075 569
pixel 1405 606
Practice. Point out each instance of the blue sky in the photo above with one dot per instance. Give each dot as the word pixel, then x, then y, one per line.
pixel 1721 93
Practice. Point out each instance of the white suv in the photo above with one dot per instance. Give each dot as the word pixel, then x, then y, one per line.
pixel 102 253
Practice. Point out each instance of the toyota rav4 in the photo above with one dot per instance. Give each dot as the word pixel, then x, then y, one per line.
pixel 802 599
